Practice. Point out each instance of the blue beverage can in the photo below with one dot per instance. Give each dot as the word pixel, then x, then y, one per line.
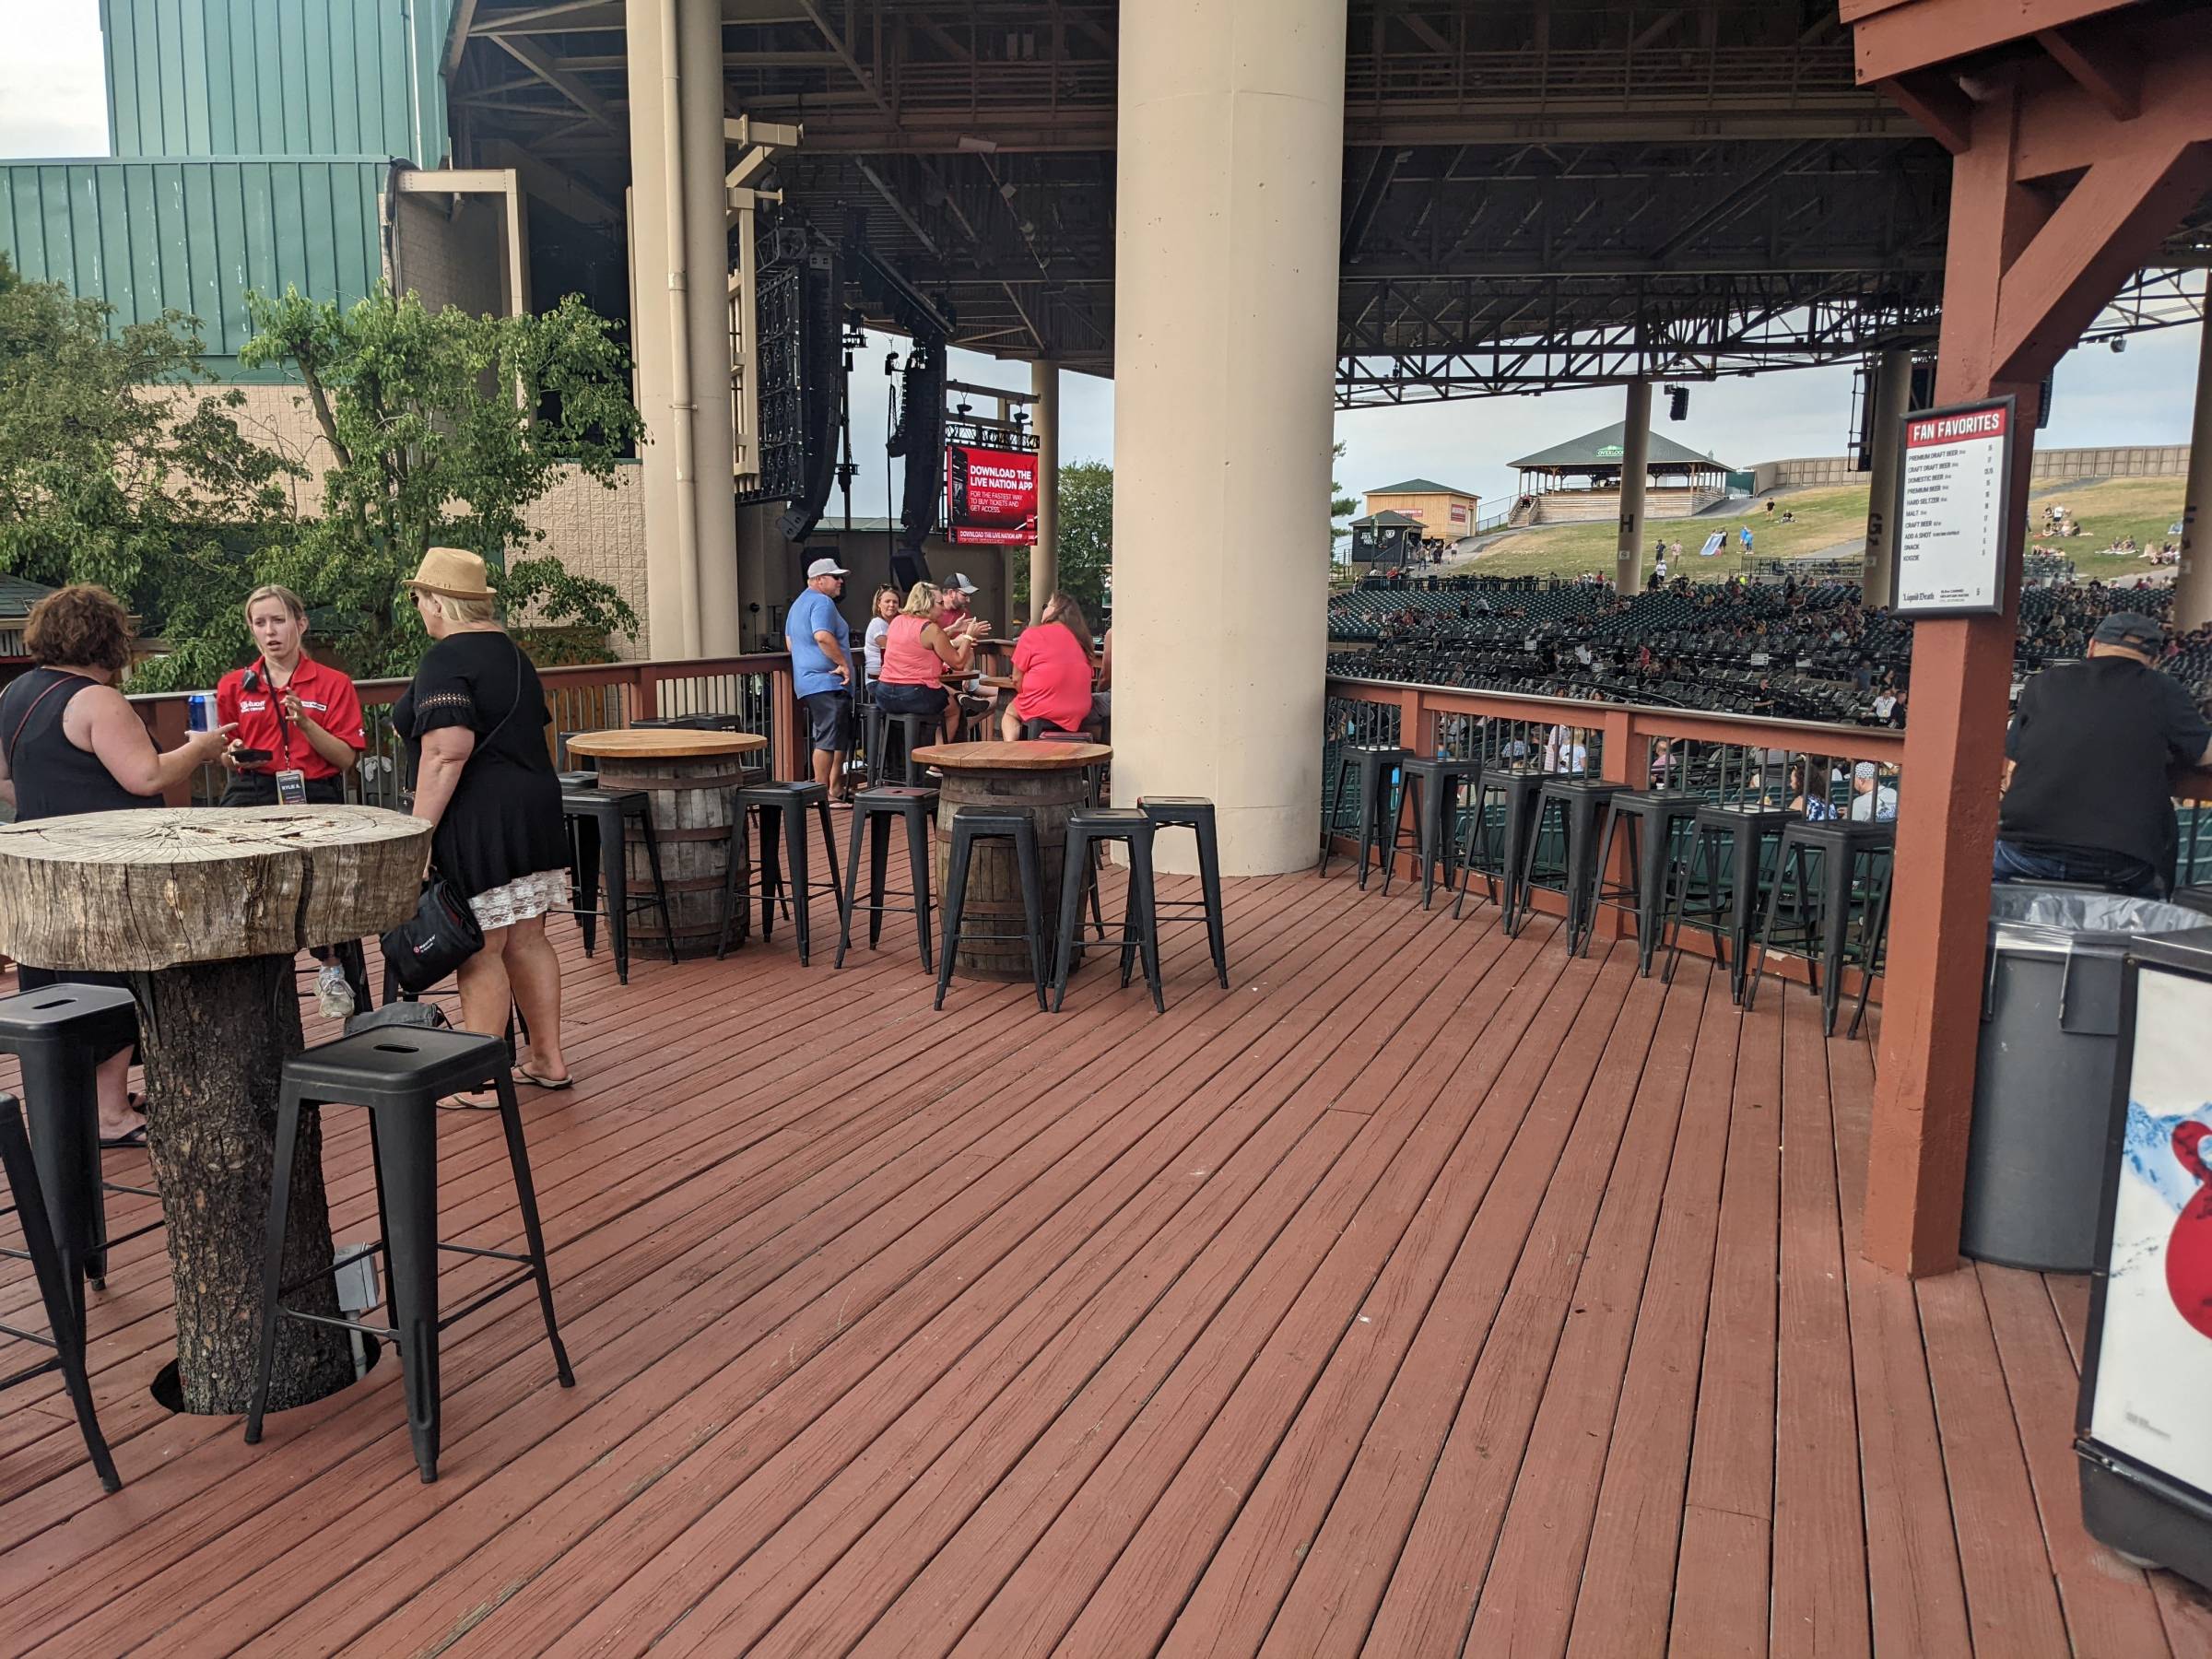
pixel 200 711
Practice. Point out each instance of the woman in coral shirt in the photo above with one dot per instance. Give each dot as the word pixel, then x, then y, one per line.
pixel 1051 671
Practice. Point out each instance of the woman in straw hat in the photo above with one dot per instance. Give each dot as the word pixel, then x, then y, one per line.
pixel 474 725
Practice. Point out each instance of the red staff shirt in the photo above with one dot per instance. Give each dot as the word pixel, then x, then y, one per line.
pixel 325 693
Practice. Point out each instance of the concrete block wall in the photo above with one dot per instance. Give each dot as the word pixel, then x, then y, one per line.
pixel 449 255
pixel 2128 461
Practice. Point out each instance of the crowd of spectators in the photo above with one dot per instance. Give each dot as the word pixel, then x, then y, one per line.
pixel 1805 651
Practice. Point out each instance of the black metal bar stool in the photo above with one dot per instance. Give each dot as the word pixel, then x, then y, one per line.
pixel 1196 814
pixel 1875 948
pixel 399 1074
pixel 1739 830
pixel 599 822
pixel 1436 819
pixel 1499 857
pixel 782 810
pixel 59 1035
pixel 1371 765
pixel 969 825
pixel 895 737
pixel 1089 826
pixel 1825 921
pixel 1649 818
pixel 64 1326
pixel 873 809
pixel 1581 805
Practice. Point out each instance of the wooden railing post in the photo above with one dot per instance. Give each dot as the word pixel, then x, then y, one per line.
pixel 172 725
pixel 1621 761
pixel 787 763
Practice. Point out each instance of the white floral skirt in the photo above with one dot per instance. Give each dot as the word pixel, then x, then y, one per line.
pixel 521 899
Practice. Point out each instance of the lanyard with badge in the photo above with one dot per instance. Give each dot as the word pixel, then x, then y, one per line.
pixel 292 783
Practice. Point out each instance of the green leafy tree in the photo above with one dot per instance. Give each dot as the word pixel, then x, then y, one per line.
pixel 1341 506
pixel 441 429
pixel 1087 534
pixel 118 464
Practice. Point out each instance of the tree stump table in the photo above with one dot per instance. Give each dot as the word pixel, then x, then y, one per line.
pixel 690 779
pixel 1043 781
pixel 206 911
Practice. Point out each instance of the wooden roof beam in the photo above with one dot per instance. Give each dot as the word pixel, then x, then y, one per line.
pixel 2100 65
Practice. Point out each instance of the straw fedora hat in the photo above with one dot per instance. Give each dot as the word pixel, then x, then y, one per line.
pixel 452 572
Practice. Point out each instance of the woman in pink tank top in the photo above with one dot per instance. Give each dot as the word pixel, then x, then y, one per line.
pixel 915 654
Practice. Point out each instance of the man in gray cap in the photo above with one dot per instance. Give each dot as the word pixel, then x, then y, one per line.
pixel 2088 792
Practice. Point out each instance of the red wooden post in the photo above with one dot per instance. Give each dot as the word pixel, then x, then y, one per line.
pixel 2021 281
pixel 788 759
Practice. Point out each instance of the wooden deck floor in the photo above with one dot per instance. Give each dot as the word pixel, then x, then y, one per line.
pixel 1429 1292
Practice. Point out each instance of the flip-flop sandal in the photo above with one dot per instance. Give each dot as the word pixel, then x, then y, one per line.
pixel 554 1084
pixel 130 1140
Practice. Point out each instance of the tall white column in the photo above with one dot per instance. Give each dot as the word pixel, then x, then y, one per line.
pixel 2193 577
pixel 671 577
pixel 690 519
pixel 1231 160
pixel 1044 421
pixel 1892 398
pixel 707 308
pixel 1635 469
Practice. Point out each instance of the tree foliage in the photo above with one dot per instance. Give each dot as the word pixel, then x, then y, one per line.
pixel 1087 534
pixel 1341 506
pixel 117 462
pixel 438 429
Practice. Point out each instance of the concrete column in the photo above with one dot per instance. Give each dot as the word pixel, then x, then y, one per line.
pixel 1044 421
pixel 691 590
pixel 707 256
pixel 1635 469
pixel 1231 161
pixel 671 582
pixel 1892 394
pixel 2193 577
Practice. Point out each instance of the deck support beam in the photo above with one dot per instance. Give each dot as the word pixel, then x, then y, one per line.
pixel 2022 279
pixel 2193 576
pixel 1635 473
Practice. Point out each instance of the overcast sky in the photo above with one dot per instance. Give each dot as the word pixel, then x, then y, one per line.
pixel 53 102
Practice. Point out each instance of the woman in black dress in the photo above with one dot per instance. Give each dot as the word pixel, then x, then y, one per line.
pixel 71 743
pixel 474 725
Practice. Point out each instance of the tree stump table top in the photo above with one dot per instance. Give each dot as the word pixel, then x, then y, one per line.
pixel 664 742
pixel 1013 757
pixel 145 890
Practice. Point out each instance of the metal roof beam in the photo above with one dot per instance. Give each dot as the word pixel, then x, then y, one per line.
pixel 535 59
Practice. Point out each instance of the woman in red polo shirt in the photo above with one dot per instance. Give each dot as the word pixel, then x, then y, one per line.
pixel 305 716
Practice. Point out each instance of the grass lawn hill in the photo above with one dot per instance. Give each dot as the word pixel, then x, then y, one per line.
pixel 1830 520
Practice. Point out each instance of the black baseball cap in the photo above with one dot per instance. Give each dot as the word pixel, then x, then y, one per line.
pixel 2130 630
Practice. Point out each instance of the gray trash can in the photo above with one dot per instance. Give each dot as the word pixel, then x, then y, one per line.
pixel 2043 1078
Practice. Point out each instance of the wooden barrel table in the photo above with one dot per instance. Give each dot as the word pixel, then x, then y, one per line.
pixel 690 778
pixel 1047 781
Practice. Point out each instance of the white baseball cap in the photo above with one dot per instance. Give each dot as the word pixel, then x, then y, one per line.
pixel 961 583
pixel 826 567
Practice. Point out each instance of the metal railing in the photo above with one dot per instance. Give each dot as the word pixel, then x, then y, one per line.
pixel 1723 757
pixel 757 689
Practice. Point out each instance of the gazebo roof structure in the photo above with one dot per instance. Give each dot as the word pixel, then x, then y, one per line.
pixel 1603 449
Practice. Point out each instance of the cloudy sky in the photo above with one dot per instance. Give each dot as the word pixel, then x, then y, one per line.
pixel 52 103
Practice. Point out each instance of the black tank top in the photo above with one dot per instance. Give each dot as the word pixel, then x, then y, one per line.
pixel 53 777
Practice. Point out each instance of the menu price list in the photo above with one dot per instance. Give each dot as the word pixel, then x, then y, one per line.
pixel 1951 518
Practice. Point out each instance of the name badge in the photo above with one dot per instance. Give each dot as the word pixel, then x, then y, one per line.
pixel 292 789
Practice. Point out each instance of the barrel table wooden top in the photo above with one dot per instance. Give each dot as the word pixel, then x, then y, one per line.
pixel 1012 757
pixel 664 742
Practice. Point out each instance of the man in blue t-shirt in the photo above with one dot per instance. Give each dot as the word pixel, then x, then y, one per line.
pixel 821 666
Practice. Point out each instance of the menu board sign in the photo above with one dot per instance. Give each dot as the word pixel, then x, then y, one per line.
pixel 1952 510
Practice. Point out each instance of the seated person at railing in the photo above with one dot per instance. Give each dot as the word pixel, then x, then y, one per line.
pixel 1872 800
pixel 1051 672
pixel 70 743
pixel 2089 766
pixel 916 652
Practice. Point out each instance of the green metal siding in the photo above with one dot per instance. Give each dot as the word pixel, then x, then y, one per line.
pixel 147 235
pixel 277 78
